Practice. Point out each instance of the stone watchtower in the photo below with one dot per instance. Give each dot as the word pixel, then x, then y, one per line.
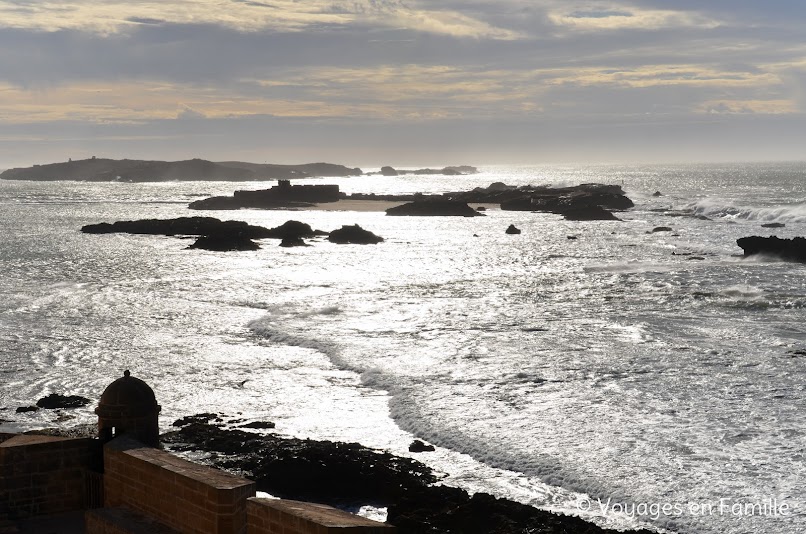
pixel 128 406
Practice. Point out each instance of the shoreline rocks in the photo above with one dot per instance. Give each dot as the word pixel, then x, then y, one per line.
pixel 349 474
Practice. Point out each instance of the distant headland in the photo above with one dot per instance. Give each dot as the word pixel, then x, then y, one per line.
pixel 133 170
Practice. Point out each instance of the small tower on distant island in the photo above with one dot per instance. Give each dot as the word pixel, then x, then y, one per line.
pixel 128 406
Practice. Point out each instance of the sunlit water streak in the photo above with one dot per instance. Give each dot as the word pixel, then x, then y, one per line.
pixel 546 369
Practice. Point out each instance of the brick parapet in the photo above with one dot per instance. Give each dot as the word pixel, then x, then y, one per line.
pixel 43 475
pixel 191 498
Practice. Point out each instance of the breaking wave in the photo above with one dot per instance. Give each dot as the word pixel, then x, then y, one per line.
pixel 727 209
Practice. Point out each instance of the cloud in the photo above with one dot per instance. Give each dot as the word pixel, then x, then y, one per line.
pixel 116 16
pixel 628 18
pixel 188 113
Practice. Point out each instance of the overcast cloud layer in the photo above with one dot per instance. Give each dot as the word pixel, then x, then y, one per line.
pixel 370 82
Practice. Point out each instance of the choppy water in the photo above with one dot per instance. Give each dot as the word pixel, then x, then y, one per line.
pixel 556 372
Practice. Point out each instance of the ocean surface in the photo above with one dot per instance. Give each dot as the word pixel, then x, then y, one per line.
pixel 630 377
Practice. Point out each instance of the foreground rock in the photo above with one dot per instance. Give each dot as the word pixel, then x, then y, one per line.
pixel 442 509
pixel 447 208
pixel 353 235
pixel 786 249
pixel 54 400
pixel 350 474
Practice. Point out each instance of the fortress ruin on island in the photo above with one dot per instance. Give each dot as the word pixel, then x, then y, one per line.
pixel 125 484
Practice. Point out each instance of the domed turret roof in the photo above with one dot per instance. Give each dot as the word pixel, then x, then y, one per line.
pixel 127 397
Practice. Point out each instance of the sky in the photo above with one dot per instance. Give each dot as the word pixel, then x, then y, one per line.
pixel 403 82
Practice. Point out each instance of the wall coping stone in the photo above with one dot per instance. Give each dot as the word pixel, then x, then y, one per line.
pixel 320 514
pixel 209 476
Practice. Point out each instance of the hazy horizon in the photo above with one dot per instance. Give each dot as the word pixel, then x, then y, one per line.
pixel 385 82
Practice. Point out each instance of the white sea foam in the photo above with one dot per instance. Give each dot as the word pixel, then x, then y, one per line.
pixel 734 209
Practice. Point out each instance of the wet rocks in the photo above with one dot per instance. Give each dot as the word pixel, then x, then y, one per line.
pixel 179 226
pixel 293 229
pixel 661 229
pixel 353 234
pixel 773 225
pixel 388 171
pixel 419 446
pixel 441 208
pixel 589 213
pixel 289 242
pixel 305 469
pixel 512 230
pixel 199 418
pixel 224 242
pixel 442 509
pixel 54 400
pixel 786 249
pixel 26 409
pixel 259 425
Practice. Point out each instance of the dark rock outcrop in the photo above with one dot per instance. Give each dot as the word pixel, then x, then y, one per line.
pixel 353 235
pixel 447 208
pixel 289 242
pixel 786 249
pixel 447 510
pixel 215 203
pixel 54 400
pixel 657 194
pixel 661 229
pixel 419 446
pixel 773 225
pixel 179 226
pixel 259 425
pixel 284 195
pixel 589 213
pixel 26 409
pixel 388 171
pixel 224 242
pixel 305 469
pixel 293 229
pixel 512 230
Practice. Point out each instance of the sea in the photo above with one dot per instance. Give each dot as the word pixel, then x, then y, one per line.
pixel 635 378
